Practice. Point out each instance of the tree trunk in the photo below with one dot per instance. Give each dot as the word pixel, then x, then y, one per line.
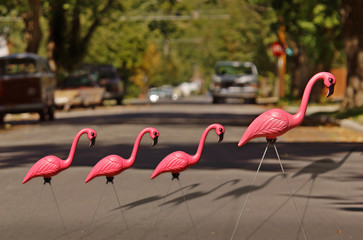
pixel 352 22
pixel 33 32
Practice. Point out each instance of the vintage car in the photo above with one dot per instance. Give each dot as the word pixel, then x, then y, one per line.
pixel 26 85
pixel 232 79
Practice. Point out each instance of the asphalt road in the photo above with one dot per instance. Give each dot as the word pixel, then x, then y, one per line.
pixel 325 174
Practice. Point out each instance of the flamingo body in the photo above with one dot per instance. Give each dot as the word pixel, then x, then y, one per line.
pixel 179 161
pixel 108 166
pixel 270 124
pixel 50 166
pixel 275 122
pixel 175 162
pixel 46 167
pixel 113 165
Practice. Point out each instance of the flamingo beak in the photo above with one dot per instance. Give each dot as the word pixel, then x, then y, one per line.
pixel 331 90
pixel 93 141
pixel 155 140
pixel 220 137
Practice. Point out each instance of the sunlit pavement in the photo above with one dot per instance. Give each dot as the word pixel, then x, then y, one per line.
pixel 323 166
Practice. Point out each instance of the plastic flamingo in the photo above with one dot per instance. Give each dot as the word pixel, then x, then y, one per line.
pixel 113 164
pixel 179 161
pixel 276 122
pixel 49 166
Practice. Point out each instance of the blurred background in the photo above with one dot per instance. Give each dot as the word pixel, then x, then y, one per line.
pixel 171 48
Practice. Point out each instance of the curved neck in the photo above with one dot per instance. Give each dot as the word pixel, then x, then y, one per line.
pixel 198 154
pixel 299 116
pixel 68 161
pixel 131 160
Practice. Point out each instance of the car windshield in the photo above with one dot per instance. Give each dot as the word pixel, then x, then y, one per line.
pixel 79 81
pixel 18 66
pixel 233 70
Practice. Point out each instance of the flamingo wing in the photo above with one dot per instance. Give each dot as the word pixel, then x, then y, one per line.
pixel 270 124
pixel 47 166
pixel 174 162
pixel 107 166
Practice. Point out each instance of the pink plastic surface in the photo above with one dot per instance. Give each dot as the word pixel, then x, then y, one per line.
pixel 113 164
pixel 51 165
pixel 178 161
pixel 276 122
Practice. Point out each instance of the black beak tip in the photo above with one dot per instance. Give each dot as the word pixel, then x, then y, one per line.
pixel 330 91
pixel 155 141
pixel 220 137
pixel 93 142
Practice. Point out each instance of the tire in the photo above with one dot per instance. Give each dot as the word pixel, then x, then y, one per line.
pixel 218 100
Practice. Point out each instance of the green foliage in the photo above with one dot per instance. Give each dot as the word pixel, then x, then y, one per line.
pixel 157 52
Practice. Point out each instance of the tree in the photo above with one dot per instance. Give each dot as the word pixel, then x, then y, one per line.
pixel 352 24
pixel 68 35
pixel 313 32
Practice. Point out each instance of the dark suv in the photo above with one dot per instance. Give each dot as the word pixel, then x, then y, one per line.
pixel 26 85
pixel 232 79
pixel 108 78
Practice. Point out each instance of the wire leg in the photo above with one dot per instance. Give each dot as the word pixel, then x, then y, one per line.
pixel 94 214
pixel 161 207
pixel 306 205
pixel 32 214
pixel 249 192
pixel 122 212
pixel 64 226
pixel 288 184
pixel 190 215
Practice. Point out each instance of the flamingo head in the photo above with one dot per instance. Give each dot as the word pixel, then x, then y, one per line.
pixel 154 134
pixel 220 132
pixel 329 82
pixel 91 134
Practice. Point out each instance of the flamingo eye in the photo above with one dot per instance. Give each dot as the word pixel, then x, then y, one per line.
pixel 93 134
pixel 330 80
pixel 155 133
pixel 221 129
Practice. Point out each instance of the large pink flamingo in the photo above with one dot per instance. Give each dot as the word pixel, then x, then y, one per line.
pixel 179 161
pixel 276 122
pixel 113 164
pixel 49 166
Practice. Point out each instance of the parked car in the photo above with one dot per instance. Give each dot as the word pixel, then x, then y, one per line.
pixel 26 85
pixel 156 94
pixel 79 90
pixel 108 78
pixel 232 79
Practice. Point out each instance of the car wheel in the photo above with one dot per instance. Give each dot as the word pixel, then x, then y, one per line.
pixel 119 100
pixel 250 100
pixel 217 100
pixel 51 113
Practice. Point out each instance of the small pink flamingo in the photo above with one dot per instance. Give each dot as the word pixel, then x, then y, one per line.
pixel 179 161
pixel 276 122
pixel 113 164
pixel 49 166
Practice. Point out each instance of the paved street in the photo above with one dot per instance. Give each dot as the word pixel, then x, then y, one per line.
pixel 323 165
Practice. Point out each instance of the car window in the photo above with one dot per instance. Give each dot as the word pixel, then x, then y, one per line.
pixel 18 66
pixel 233 70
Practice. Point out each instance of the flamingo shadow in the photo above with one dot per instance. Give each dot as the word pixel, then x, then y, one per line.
pixel 152 198
pixel 199 194
pixel 245 189
pixel 315 169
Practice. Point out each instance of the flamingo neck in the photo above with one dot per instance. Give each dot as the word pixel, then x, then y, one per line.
pixel 131 160
pixel 195 158
pixel 300 115
pixel 66 163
